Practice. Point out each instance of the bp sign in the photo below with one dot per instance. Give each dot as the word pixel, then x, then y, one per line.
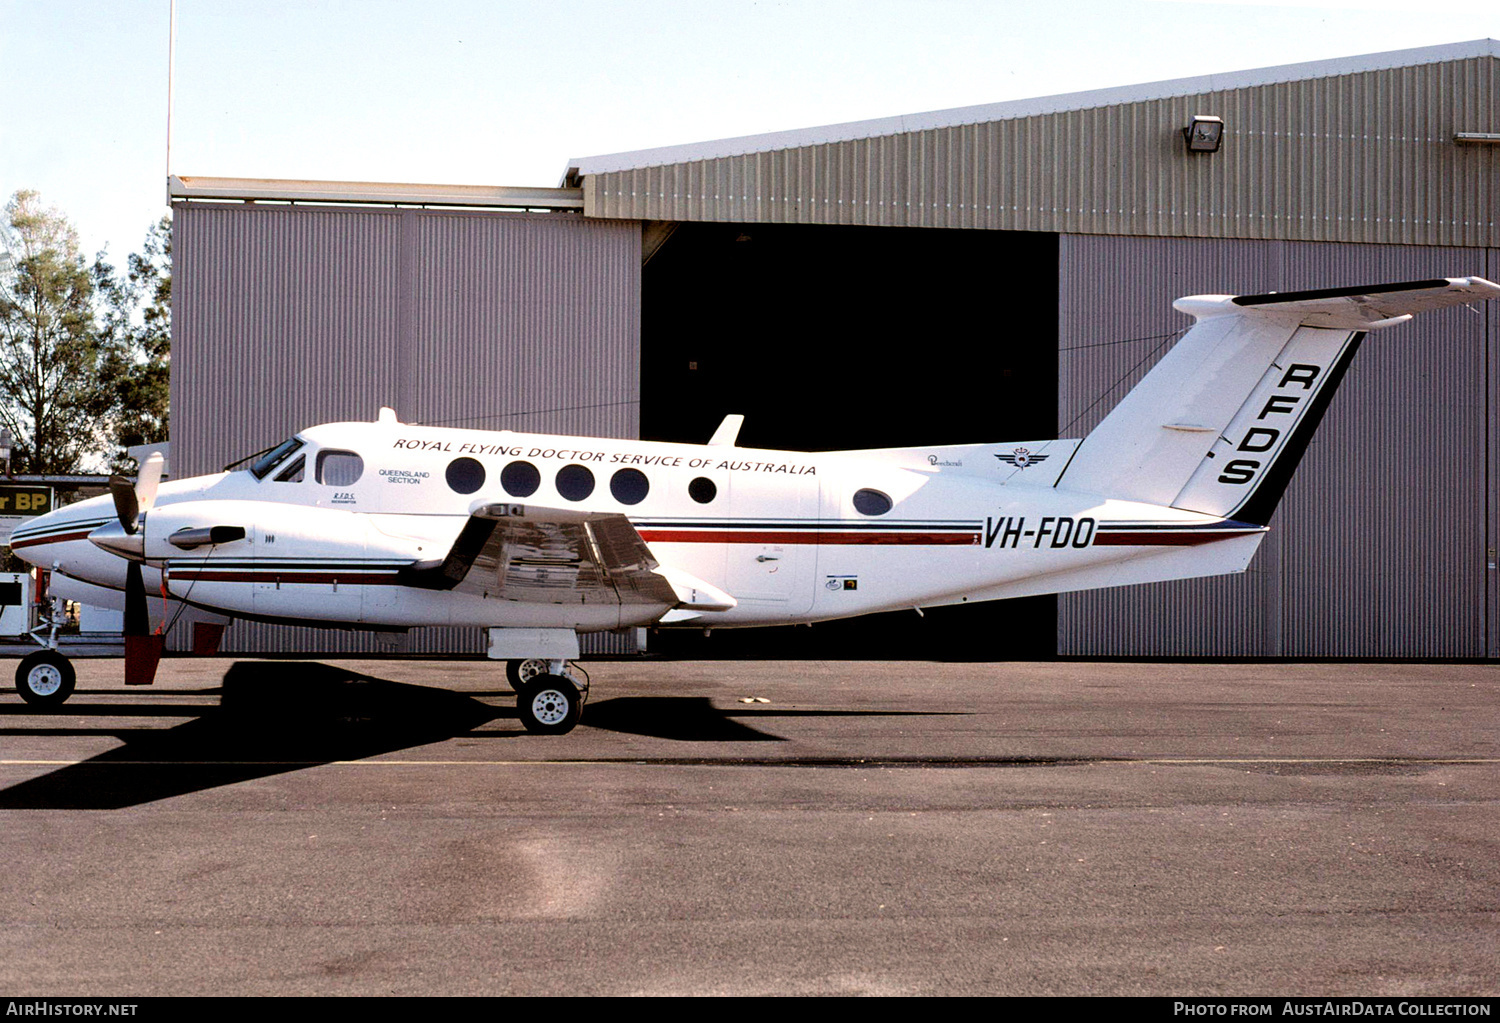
pixel 18 503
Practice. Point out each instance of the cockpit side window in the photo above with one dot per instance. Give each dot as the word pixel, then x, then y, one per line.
pixel 292 473
pixel 271 459
pixel 339 468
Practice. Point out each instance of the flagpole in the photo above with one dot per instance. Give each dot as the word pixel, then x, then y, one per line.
pixel 171 67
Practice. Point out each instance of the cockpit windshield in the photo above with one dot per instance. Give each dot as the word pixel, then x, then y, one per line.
pixel 271 459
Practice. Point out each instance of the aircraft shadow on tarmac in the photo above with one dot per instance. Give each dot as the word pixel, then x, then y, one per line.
pixel 276 717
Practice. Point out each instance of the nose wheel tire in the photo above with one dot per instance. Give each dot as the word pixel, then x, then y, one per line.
pixel 549 705
pixel 45 678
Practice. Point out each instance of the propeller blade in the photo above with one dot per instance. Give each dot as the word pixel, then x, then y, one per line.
pixel 142 650
pixel 147 480
pixel 132 500
pixel 137 621
pixel 127 508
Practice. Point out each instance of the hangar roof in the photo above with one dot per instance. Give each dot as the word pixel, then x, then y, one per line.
pixel 379 193
pixel 953 116
pixel 1369 148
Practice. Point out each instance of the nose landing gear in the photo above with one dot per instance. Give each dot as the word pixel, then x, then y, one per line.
pixel 45 678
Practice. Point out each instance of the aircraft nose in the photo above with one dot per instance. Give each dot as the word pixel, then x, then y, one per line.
pixel 33 541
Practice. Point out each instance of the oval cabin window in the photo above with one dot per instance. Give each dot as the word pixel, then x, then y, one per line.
pixel 871 502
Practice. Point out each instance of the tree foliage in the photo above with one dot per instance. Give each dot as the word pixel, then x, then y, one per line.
pixel 84 351
pixel 137 321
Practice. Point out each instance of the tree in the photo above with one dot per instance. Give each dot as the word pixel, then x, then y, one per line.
pixel 85 353
pixel 136 326
pixel 51 395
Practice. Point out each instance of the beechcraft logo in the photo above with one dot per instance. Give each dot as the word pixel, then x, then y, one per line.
pixel 1021 458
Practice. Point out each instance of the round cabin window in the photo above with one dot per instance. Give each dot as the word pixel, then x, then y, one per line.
pixel 520 479
pixel 465 475
pixel 703 490
pixel 575 482
pixel 629 486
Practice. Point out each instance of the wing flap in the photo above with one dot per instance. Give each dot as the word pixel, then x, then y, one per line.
pixel 545 555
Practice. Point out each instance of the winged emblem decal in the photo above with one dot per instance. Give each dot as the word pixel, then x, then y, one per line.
pixel 1021 458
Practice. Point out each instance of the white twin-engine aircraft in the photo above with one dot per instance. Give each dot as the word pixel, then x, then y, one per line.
pixel 388 525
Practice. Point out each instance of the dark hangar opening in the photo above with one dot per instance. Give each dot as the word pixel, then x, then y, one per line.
pixel 830 338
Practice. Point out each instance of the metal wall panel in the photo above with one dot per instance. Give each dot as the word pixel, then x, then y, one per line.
pixel 1380 546
pixel 1360 157
pixel 1492 465
pixel 289 316
pixel 281 318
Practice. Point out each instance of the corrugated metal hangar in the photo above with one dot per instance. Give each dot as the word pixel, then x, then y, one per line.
pixel 983 274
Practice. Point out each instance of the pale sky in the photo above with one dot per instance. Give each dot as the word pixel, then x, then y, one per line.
pixel 503 92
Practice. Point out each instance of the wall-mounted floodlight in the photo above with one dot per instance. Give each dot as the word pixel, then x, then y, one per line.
pixel 1205 134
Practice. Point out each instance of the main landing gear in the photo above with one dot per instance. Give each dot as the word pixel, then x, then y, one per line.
pixel 548 700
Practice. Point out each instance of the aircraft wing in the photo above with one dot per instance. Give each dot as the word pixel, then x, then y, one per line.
pixel 546 555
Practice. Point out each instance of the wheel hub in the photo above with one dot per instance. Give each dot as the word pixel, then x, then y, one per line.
pixel 549 706
pixel 44 680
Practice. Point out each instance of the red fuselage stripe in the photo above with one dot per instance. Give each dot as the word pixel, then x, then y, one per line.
pixel 59 538
pixel 1162 539
pixel 804 537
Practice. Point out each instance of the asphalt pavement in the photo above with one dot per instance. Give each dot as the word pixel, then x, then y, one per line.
pixel 748 828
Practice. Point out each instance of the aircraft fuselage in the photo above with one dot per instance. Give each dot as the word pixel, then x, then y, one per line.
pixel 792 536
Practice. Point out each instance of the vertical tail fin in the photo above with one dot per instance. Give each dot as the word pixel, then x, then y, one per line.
pixel 1220 423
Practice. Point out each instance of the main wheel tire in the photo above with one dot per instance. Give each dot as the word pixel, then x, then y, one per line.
pixel 549 705
pixel 45 678
pixel 518 673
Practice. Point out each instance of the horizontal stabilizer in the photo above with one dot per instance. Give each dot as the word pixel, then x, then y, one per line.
pixel 1369 307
